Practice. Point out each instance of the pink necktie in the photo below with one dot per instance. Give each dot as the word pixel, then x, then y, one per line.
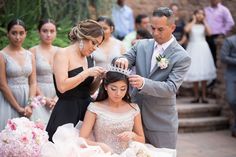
pixel 158 50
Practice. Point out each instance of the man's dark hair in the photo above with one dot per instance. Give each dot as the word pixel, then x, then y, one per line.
pixel 139 18
pixel 164 11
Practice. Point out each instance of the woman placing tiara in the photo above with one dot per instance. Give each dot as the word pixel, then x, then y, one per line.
pixel 112 120
pixel 75 78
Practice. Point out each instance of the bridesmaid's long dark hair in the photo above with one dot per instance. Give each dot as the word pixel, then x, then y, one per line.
pixel 112 77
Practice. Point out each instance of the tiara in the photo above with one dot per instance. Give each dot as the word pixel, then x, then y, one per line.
pixel 126 72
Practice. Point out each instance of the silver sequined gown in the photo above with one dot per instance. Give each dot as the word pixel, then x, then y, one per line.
pixel 17 80
pixel 45 83
pixel 109 124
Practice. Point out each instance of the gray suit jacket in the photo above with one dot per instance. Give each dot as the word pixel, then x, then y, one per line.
pixel 228 56
pixel 157 98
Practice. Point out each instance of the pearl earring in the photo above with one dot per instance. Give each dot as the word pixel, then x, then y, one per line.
pixel 81 45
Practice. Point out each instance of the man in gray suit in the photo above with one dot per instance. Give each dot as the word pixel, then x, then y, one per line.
pixel 228 56
pixel 157 80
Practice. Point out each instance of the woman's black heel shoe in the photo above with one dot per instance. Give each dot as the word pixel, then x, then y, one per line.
pixel 195 101
pixel 204 101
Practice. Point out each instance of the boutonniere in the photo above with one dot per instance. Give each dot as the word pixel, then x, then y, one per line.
pixel 162 62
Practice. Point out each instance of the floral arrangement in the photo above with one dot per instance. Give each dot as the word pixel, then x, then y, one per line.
pixel 162 61
pixel 22 138
pixel 37 101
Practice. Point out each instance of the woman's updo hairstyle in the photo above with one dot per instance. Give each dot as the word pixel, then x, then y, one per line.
pixel 15 22
pixel 87 29
pixel 44 21
pixel 107 20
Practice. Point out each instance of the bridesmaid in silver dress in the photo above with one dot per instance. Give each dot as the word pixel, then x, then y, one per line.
pixel 17 75
pixel 44 54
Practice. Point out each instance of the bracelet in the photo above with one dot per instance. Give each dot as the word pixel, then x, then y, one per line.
pixel 29 101
pixel 132 136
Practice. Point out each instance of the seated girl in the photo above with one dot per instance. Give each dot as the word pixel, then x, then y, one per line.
pixel 113 121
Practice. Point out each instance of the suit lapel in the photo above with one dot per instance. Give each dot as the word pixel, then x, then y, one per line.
pixel 167 53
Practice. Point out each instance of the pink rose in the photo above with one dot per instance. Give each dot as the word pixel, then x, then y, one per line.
pixel 39 125
pixel 12 125
pixel 24 139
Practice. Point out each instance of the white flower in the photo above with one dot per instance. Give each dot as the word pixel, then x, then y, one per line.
pixel 162 62
pixel 139 149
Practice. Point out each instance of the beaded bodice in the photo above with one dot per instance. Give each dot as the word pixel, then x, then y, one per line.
pixel 109 124
pixel 15 73
pixel 43 69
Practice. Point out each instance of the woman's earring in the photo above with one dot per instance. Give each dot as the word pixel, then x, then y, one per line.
pixel 81 45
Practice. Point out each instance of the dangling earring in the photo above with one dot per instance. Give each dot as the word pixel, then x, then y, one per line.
pixel 81 45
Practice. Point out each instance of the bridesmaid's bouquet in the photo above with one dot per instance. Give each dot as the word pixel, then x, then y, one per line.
pixel 22 138
pixel 37 101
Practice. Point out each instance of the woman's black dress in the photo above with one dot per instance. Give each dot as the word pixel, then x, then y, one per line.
pixel 71 105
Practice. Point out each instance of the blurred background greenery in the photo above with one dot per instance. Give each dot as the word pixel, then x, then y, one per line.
pixel 64 12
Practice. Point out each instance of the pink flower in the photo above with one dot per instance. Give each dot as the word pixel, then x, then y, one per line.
pixel 33 104
pixel 11 124
pixel 43 101
pixel 39 125
pixel 37 101
pixel 24 139
pixel 34 134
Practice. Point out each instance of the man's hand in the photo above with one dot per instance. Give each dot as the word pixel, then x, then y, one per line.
pixel 136 81
pixel 122 63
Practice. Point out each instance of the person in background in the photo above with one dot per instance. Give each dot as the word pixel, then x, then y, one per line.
pixel 202 67
pixel 142 34
pixel 75 76
pixel 220 22
pixel 142 21
pixel 228 56
pixel 17 75
pixel 110 47
pixel 44 57
pixel 123 18
pixel 179 32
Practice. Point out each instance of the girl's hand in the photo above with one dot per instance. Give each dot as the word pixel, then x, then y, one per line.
pixel 126 136
pixel 194 19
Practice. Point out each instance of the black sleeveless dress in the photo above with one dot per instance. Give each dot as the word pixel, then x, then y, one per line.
pixel 71 105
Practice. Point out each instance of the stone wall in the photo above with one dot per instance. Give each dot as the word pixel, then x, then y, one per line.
pixel 186 8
